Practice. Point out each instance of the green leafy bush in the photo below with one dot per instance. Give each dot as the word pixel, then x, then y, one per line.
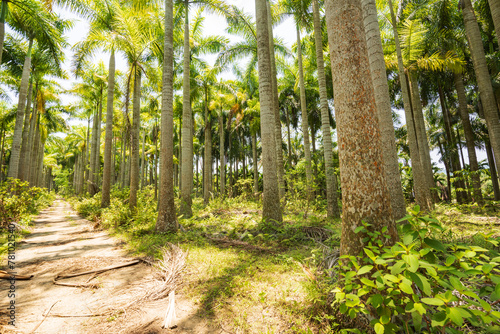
pixel 420 284
pixel 18 199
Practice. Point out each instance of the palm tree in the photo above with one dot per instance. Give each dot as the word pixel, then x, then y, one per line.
pixel 482 77
pixel 365 196
pixel 495 15
pixel 384 111
pixel 271 203
pixel 167 220
pixel 331 180
pixel 48 34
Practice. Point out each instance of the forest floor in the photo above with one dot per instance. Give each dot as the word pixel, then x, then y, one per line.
pixel 63 243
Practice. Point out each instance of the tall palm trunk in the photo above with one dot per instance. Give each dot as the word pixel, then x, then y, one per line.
pixel 271 203
pixel 134 155
pixel 143 160
pixel 254 161
pixel 97 159
pixel 87 159
pixel 483 77
pixel 34 153
pixel 1 154
pixel 305 121
pixel 495 15
pixel 469 138
pixel 384 111
pixel 108 139
pixel 122 160
pixel 331 181
pixel 31 135
pixel 187 127
pixel 422 192
pixel 365 194
pixel 25 141
pixel 276 108
pixel 207 159
pixel 423 142
pixel 93 148
pixel 289 140
pixel 493 171
pixel 3 14
pixel 222 158
pixel 15 153
pixel 167 220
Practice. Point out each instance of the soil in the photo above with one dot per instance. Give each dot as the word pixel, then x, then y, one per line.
pixel 63 243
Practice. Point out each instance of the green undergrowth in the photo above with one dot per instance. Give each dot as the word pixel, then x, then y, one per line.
pixel 243 274
pixel 19 203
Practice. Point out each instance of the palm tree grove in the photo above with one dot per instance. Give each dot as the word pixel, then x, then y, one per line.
pixel 236 166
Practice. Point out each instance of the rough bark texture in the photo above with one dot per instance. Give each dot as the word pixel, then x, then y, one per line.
pixel 469 138
pixel 276 108
pixel 423 142
pixel 187 125
pixel 482 77
pixel 15 153
pixel 108 139
pixel 364 188
pixel 384 110
pixel 207 158
pixel 25 141
pixel 134 152
pixel 271 202
pixel 305 121
pixel 495 15
pixel 167 219
pixel 422 193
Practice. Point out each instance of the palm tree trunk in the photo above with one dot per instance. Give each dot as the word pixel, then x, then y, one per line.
pixel 25 140
pixel 469 139
pixel 276 108
pixel 305 121
pixel 447 169
pixel 92 185
pixel 483 77
pixel 271 202
pixel 1 155
pixel 167 219
pixel 493 171
pixel 3 14
pixel 222 156
pixel 422 192
pixel 122 160
pixel 254 162
pixel 143 161
pixel 331 181
pixel 207 159
pixel 365 196
pixel 34 153
pixel 384 110
pixel 15 153
pixel 97 160
pixel 495 15
pixel 289 137
pixel 108 139
pixel 187 127
pixel 423 142
pixel 31 135
pixel 134 155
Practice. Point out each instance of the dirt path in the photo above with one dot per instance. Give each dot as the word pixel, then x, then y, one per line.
pixel 62 242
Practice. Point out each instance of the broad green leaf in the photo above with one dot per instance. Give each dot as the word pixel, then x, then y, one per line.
pixel 376 300
pixel 432 301
pixel 419 308
pixel 359 229
pixel 455 282
pixel 364 270
pixel 450 260
pixel 407 239
pixel 369 253
pixel 351 300
pixel 405 288
pixel 385 319
pixel 412 262
pixel 487 268
pixel 437 245
pixel 417 320
pixel 455 315
pixel 379 328
pixel 397 267
pixel 367 282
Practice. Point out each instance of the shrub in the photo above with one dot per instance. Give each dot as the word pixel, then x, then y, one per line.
pixel 420 283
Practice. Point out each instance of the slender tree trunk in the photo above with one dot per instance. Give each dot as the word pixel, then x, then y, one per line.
pixel 447 168
pixel 365 194
pixel 271 203
pixel 222 156
pixel 92 185
pixel 87 159
pixel 1 156
pixel 289 138
pixel 469 139
pixel 31 136
pixel 34 154
pixel 108 169
pixel 167 219
pixel 255 164
pixel 207 159
pixel 122 161
pixel 3 14
pixel 483 77
pixel 143 161
pixel 187 127
pixel 180 156
pixel 15 153
pixel 495 15
pixel 134 155
pixel 276 108
pixel 97 160
pixel 24 146
pixel 422 192
pixel 384 110
pixel 493 171
pixel 305 121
